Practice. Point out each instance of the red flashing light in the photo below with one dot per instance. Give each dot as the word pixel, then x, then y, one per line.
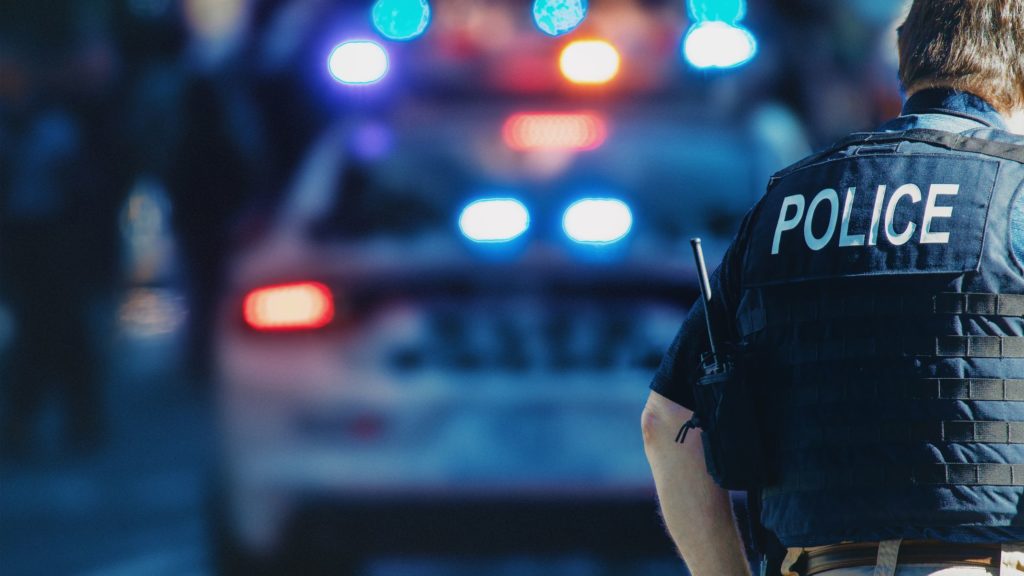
pixel 296 306
pixel 554 131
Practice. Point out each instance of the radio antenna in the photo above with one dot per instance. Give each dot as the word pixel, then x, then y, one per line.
pixel 705 289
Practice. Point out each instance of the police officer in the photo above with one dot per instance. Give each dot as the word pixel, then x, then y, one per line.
pixel 880 286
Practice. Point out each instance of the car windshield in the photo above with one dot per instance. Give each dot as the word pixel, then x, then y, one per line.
pixel 362 206
pixel 401 177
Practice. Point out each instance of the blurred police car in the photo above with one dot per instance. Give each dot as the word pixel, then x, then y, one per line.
pixel 413 363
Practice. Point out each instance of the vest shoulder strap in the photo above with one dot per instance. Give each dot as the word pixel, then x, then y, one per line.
pixel 943 139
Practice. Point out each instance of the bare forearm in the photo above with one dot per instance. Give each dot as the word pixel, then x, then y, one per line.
pixel 697 512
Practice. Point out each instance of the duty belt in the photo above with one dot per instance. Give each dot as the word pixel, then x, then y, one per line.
pixel 825 558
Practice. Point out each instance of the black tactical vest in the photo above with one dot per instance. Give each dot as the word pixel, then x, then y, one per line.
pixel 881 292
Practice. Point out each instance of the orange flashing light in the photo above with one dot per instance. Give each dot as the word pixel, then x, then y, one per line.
pixel 554 131
pixel 296 306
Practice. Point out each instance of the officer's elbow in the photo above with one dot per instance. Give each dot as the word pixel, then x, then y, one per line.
pixel 650 424
pixel 661 419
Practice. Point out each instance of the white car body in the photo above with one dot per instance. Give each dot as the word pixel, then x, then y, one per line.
pixel 338 415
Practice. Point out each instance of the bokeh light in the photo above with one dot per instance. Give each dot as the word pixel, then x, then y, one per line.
pixel 729 11
pixel 401 19
pixel 214 19
pixel 358 62
pixel 148 312
pixel 299 306
pixel 556 17
pixel 597 220
pixel 589 62
pixel 494 220
pixel 554 131
pixel 718 45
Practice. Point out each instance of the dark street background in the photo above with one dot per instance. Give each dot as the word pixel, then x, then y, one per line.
pixel 259 258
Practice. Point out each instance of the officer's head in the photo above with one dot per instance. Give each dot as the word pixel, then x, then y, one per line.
pixel 972 45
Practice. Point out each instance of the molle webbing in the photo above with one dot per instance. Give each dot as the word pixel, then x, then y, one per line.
pixel 890 432
pixel 896 345
pixel 852 476
pixel 797 307
pixel 839 386
pixel 883 423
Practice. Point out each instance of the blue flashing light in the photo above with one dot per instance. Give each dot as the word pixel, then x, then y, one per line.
pixel 728 11
pixel 358 62
pixel 597 220
pixel 494 220
pixel 401 19
pixel 556 17
pixel 718 45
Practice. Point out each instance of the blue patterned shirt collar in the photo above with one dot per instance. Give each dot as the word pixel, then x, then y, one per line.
pixel 954 103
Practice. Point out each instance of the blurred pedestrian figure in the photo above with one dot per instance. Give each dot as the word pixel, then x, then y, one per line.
pixel 51 352
pixel 219 163
pixel 57 236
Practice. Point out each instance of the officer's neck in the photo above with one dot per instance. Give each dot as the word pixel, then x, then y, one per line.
pixel 1015 121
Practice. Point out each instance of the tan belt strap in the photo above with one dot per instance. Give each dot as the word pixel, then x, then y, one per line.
pixel 1011 559
pixel 888 554
pixel 789 562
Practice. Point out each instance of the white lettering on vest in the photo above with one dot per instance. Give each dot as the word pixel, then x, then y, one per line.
pixel 784 223
pixel 876 214
pixel 844 228
pixel 902 238
pixel 931 211
pixel 818 243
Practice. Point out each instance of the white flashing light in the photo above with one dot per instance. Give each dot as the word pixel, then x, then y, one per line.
pixel 494 220
pixel 597 220
pixel 718 45
pixel 358 62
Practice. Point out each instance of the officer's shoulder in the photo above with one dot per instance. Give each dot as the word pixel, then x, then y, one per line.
pixel 996 135
pixel 838 148
pixel 811 159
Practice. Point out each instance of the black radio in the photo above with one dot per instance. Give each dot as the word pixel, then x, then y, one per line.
pixel 726 410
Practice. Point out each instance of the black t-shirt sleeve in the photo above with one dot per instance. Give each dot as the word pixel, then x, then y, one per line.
pixel 680 367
